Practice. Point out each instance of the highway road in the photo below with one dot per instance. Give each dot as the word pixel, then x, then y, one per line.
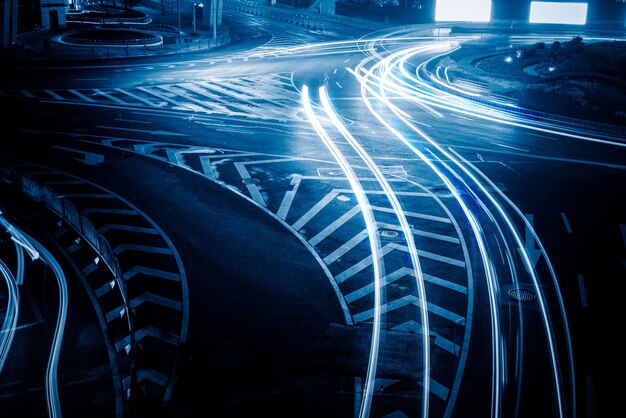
pixel 317 224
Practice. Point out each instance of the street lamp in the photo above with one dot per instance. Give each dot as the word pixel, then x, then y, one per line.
pixel 193 14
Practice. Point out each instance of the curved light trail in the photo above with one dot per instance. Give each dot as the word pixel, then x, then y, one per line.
pixel 11 317
pixel 408 234
pixel 392 78
pixel 37 250
pixel 375 249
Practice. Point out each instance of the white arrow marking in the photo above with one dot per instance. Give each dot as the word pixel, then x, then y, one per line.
pixel 89 158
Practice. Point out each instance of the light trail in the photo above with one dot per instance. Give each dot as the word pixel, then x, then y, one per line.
pixel 11 316
pixel 37 250
pixel 375 249
pixel 384 72
pixel 408 234
pixel 477 231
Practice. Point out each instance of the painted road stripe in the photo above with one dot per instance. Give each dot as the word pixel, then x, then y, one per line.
pixel 568 228
pixel 583 291
pixel 81 96
pixel 253 189
pixel 287 201
pixel 141 99
pixel 367 261
pixel 315 210
pixel 441 342
pixel 151 272
pixel 324 233
pixel 432 235
pixel 342 250
pixel 89 211
pixel 142 248
pixel 54 95
pixel 439 390
pixel 129 228
pixel 89 195
pixel 411 300
pixel 162 97
pixel 109 96
pixel 413 214
pixel 27 94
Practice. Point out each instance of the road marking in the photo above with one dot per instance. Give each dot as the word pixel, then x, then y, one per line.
pixel 151 272
pixel 141 99
pixel 439 390
pixel 89 158
pixel 367 261
pixel 583 291
pixel 27 94
pixel 442 342
pixel 143 248
pixel 315 210
pixel 81 96
pixel 89 195
pixel 285 205
pixel 411 300
pixel 109 96
pixel 149 331
pixel 146 122
pixel 143 131
pixel 432 235
pixel 568 228
pixel 347 246
pixel 89 211
pixel 509 146
pixel 163 97
pixel 139 229
pixel 54 95
pixel 413 214
pixel 253 189
pixel 324 233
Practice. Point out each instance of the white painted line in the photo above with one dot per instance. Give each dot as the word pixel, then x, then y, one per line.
pixel 162 97
pixel 347 246
pixel 54 95
pixel 27 93
pixel 81 96
pixel 141 99
pixel 285 205
pixel 145 122
pixel 509 146
pixel 129 228
pixel 411 300
pixel 109 96
pixel 142 248
pixel 315 209
pixel 151 272
pixel 439 390
pixel 413 214
pixel 324 233
pixel 255 193
pixel 583 291
pixel 432 235
pixel 568 228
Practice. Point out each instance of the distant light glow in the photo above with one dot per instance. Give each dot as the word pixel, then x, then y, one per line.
pixel 463 11
pixel 508 59
pixel 559 13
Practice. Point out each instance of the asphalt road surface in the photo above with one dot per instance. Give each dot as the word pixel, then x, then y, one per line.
pixel 304 224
